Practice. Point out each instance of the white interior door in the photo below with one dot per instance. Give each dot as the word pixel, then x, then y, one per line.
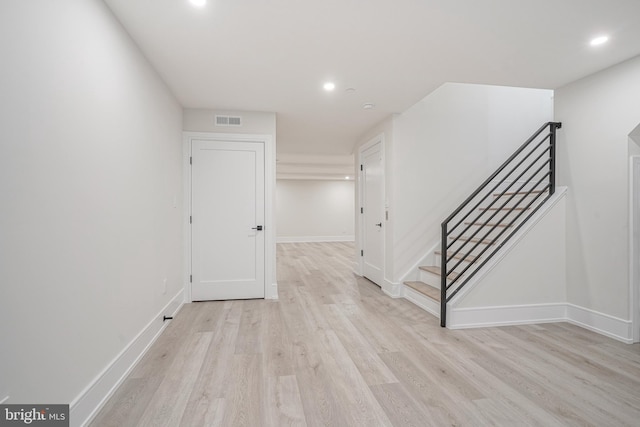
pixel 373 213
pixel 227 216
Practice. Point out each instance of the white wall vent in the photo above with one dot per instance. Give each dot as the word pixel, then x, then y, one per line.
pixel 228 120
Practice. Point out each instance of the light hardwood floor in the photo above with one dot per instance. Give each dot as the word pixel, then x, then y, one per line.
pixel 335 351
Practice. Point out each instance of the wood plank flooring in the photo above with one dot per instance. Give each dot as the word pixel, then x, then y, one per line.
pixel 335 351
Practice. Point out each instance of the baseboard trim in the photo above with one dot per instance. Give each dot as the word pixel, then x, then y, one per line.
pixel 315 239
pixel 480 317
pixel 610 326
pixel 392 289
pixel 427 304
pixel 84 407
pixel 274 291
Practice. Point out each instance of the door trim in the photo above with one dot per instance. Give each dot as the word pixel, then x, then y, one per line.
pixel 270 283
pixel 378 139
pixel 634 247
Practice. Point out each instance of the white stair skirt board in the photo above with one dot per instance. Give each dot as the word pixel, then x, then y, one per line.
pixel 422 301
pixel 314 239
pixel 95 395
pixel 4 399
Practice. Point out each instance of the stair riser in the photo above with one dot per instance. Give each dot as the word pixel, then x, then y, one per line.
pixel 430 278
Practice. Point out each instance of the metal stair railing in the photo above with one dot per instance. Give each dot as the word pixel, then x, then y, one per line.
pixel 514 189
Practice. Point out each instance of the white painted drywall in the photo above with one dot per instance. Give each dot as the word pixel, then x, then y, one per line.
pixel 203 120
pixel 534 270
pixel 444 147
pixel 309 210
pixel 598 113
pixel 90 178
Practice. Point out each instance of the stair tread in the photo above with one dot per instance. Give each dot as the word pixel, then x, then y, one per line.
pixel 473 240
pixel 469 258
pixel 511 193
pixel 491 224
pixel 436 270
pixel 425 289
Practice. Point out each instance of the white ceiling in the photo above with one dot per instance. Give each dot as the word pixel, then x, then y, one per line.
pixel 274 55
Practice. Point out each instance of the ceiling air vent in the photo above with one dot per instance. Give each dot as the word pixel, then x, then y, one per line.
pixel 228 121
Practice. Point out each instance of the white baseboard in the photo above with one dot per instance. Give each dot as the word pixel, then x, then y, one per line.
pixel 427 304
pixel 314 239
pixel 601 323
pixel 394 290
pixel 274 291
pixel 95 395
pixel 480 317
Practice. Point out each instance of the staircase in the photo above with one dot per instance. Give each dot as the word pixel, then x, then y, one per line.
pixel 478 229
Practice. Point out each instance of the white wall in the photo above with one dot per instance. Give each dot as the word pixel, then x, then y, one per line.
pixel 444 147
pixel 253 122
pixel 90 178
pixel 598 113
pixel 315 210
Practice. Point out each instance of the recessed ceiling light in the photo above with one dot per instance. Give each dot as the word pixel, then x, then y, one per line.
pixel 346 177
pixel 599 40
pixel 368 106
pixel 350 90
pixel 329 86
pixel 198 3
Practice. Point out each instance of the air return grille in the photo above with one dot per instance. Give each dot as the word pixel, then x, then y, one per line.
pixel 228 121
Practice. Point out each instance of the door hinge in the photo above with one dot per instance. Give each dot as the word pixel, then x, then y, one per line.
pixel 190 160
pixel 361 210
pixel 361 252
pixel 191 278
pixel 190 219
pixel 361 168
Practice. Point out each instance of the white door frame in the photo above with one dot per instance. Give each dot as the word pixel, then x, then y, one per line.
pixel 270 283
pixel 634 246
pixel 378 139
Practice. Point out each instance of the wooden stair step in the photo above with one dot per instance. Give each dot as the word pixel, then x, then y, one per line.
pixel 467 258
pixel 473 240
pixel 491 224
pixel 523 193
pixel 436 270
pixel 425 289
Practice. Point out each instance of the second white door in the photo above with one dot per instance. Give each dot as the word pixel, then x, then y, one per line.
pixel 227 234
pixel 372 214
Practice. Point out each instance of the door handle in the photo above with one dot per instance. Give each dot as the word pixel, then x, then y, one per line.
pixel 258 227
pixel 378 225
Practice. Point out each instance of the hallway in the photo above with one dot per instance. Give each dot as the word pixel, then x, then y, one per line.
pixel 335 351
